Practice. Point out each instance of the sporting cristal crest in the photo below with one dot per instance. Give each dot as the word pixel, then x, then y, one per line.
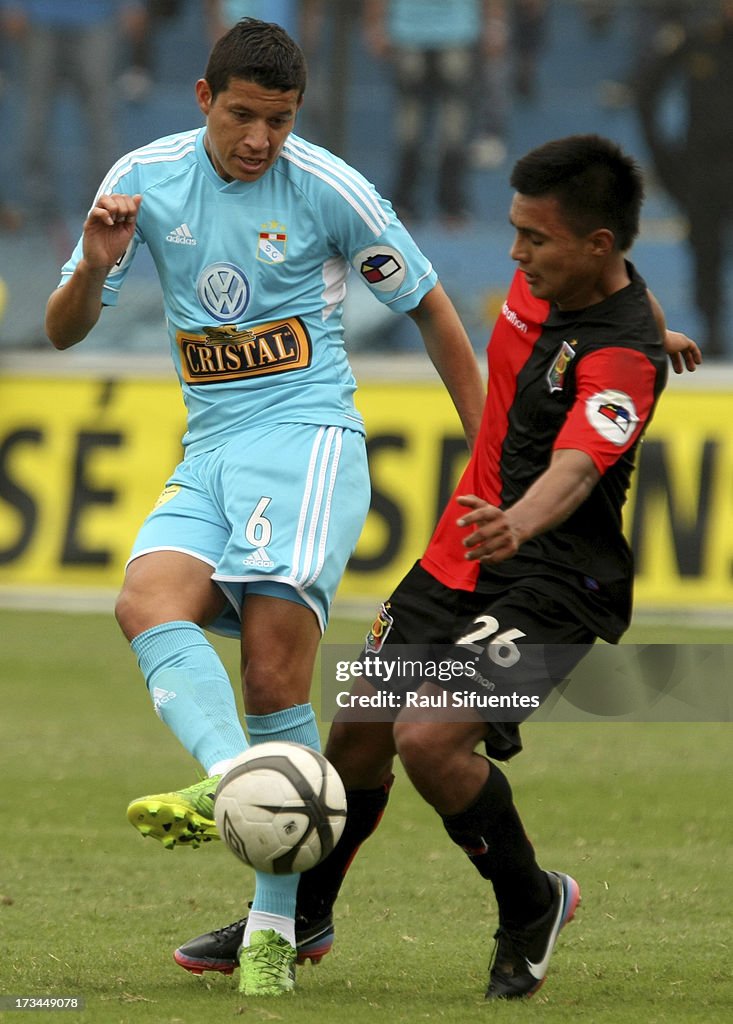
pixel 272 244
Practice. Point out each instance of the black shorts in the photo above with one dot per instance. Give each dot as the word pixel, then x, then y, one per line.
pixel 509 650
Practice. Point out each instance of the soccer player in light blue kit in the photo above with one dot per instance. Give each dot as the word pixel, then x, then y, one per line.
pixel 253 231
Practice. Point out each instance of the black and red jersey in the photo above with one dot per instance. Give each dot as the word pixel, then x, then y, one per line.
pixel 583 379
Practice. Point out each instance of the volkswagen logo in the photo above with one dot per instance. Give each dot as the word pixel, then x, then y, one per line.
pixel 223 290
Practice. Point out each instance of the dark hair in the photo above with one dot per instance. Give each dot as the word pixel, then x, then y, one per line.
pixel 595 182
pixel 256 51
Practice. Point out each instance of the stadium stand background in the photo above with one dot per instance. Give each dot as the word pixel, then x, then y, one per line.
pixel 576 66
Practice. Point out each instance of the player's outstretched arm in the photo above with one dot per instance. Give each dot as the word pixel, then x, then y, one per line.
pixel 74 309
pixel 497 534
pixel 449 348
pixel 683 352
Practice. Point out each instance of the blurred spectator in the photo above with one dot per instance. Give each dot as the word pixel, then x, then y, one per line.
pixel 695 163
pixel 528 29
pixel 432 45
pixel 513 37
pixel 74 42
pixel 649 25
pixel 141 24
pixel 10 219
pixel 488 149
pixel 297 17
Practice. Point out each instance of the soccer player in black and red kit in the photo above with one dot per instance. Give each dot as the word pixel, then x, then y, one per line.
pixel 528 563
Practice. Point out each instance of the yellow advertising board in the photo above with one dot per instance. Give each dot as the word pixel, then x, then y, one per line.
pixel 81 462
pixel 83 459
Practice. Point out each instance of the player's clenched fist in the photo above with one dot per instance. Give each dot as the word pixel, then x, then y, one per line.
pixel 108 229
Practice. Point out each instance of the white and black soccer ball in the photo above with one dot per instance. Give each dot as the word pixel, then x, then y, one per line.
pixel 281 807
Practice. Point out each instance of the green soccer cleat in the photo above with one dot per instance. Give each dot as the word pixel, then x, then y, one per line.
pixel 185 817
pixel 219 950
pixel 267 965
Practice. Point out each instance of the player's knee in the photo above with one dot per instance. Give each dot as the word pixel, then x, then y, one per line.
pixel 137 610
pixel 272 684
pixel 125 614
pixel 431 762
pixel 419 748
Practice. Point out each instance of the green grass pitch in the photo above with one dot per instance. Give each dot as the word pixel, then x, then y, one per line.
pixel 639 813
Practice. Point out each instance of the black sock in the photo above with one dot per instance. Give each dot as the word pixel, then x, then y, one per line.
pixel 319 887
pixel 491 834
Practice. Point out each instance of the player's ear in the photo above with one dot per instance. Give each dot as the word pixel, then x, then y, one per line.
pixel 203 96
pixel 602 241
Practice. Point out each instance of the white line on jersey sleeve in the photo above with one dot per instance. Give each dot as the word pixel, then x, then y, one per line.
pixel 360 199
pixel 155 152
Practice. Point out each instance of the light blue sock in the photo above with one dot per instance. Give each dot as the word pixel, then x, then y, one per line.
pixel 276 894
pixel 294 725
pixel 191 691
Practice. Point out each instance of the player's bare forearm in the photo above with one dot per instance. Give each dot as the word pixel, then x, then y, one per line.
pixel 74 309
pixel 450 350
pixel 497 534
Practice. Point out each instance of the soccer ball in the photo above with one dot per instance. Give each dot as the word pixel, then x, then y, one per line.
pixel 281 807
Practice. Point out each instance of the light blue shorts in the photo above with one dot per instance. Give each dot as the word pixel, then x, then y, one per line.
pixel 277 512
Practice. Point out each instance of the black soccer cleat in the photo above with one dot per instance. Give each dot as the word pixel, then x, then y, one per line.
pixel 219 950
pixel 313 940
pixel 214 951
pixel 522 955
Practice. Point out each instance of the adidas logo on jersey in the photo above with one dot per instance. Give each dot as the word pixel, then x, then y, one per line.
pixel 181 236
pixel 260 558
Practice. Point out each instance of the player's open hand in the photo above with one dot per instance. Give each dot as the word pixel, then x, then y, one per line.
pixel 683 352
pixel 493 538
pixel 109 228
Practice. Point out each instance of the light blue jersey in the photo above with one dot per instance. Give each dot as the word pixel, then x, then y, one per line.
pixel 254 276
